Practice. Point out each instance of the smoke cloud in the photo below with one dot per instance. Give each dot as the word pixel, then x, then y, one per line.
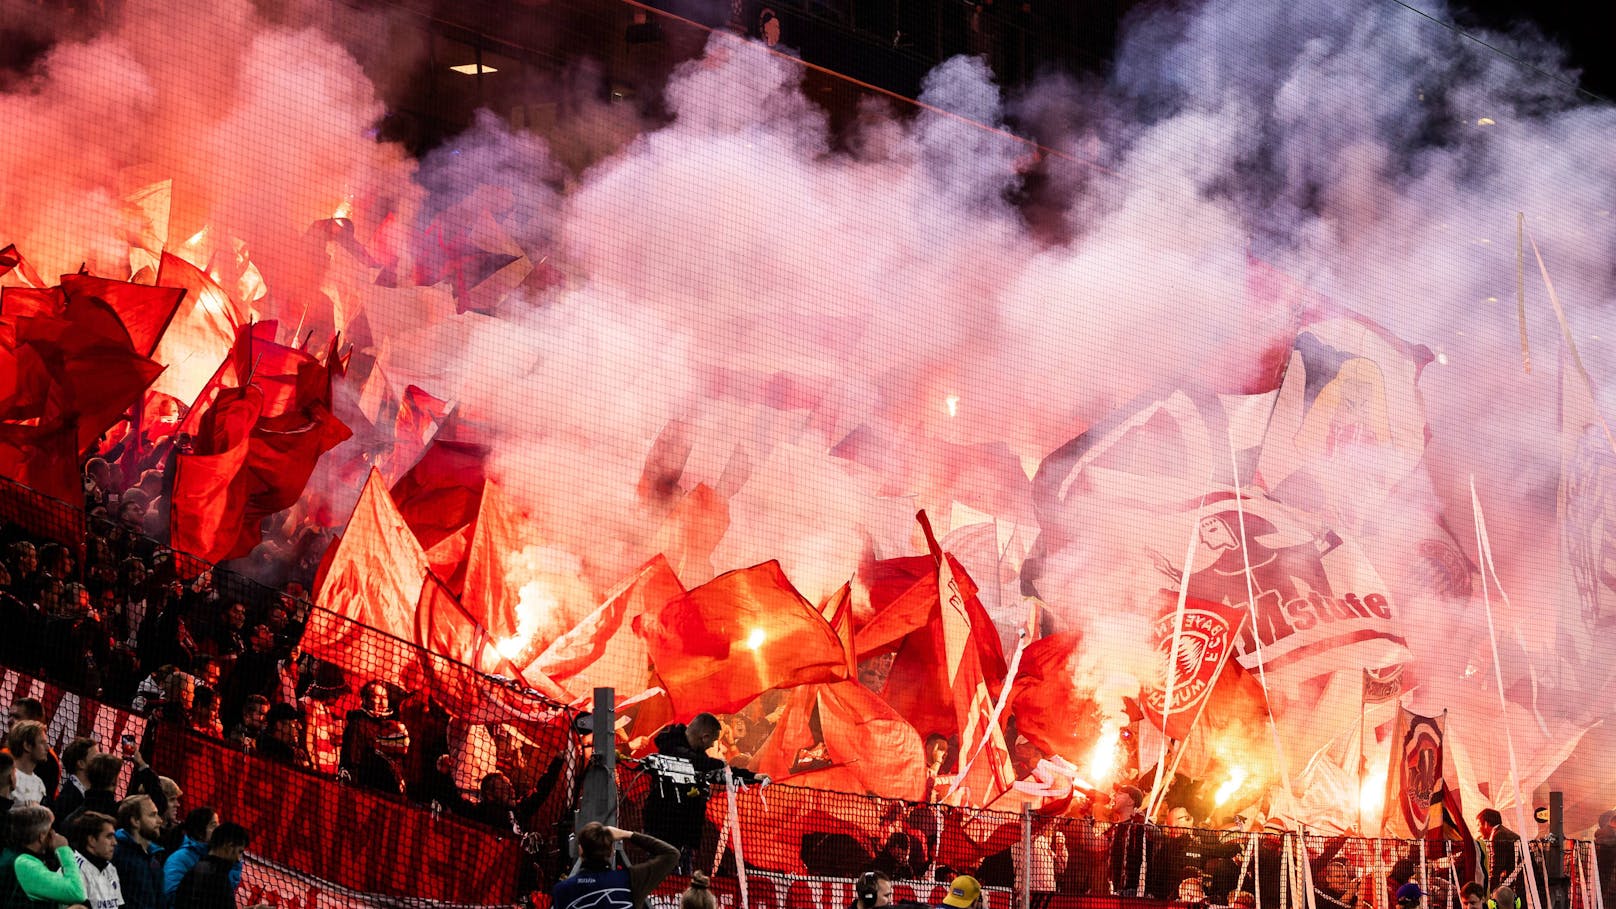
pixel 844 337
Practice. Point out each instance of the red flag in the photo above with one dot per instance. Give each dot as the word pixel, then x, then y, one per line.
pixel 838 611
pixel 487 596
pixel 210 488
pixel 19 303
pixel 374 581
pixel 202 332
pixel 418 419
pixel 442 492
pixel 740 634
pixel 985 769
pixel 279 464
pixel 454 654
pixel 89 356
pixel 43 458
pixel 908 605
pixel 603 651
pixel 1208 635
pixel 841 736
pixel 25 384
pixel 143 311
pixel 1050 709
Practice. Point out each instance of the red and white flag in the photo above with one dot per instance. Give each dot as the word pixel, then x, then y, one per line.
pixel 1415 784
pixel 1191 661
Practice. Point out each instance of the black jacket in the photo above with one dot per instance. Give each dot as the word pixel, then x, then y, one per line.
pixel 207 886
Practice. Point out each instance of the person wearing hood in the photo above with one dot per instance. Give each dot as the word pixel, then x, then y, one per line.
pixel 137 856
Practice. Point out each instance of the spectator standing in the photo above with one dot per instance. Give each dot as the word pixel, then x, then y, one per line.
pixel 678 814
pixel 26 876
pixel 498 807
pixel 1133 841
pixel 1046 863
pixel 1474 896
pixel 198 833
pixel 283 738
pixel 50 770
pixel 699 894
pixel 93 840
pixel 211 883
pixel 137 856
pixel 873 891
pixel 1500 849
pixel 29 751
pixel 102 795
pixel 375 742
pixel 169 807
pixel 1605 856
pixel 964 893
pixel 597 883
pixel 254 723
pixel 74 783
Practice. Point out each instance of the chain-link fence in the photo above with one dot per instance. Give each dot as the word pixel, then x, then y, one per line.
pixel 454 787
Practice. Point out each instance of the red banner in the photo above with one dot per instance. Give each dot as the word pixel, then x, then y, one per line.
pixel 349 837
pixel 68 716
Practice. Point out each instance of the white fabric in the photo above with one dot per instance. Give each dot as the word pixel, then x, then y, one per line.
pixel 30 789
pixel 101 887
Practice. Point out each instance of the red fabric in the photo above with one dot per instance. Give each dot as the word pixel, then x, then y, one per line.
pixel 418 419
pixel 841 736
pixel 25 384
pixel 603 650
pixel 374 580
pixel 838 611
pixel 1204 647
pixel 442 492
pixel 985 771
pixel 489 599
pixel 701 642
pixel 455 654
pixel 90 357
pixel 448 559
pixel 904 593
pixel 202 331
pixel 15 270
pixel 369 843
pixel 43 458
pixel 281 456
pixel 19 303
pixel 210 487
pixel 144 312
pixel 1050 710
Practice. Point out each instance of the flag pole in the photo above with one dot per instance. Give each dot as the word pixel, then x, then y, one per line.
pixel 1363 727
pixel 1484 550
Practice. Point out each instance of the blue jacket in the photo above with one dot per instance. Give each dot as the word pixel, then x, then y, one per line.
pixel 140 872
pixel 182 861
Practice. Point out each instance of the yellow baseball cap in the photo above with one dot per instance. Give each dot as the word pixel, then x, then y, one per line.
pixel 963 893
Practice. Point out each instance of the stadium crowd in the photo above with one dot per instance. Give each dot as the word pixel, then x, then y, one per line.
pixel 120 621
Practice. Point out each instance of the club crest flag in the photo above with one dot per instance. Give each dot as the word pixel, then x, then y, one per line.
pixel 1192 660
pixel 1382 685
pixel 1415 785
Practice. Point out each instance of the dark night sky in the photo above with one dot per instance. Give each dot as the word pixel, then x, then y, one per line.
pixel 1586 28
